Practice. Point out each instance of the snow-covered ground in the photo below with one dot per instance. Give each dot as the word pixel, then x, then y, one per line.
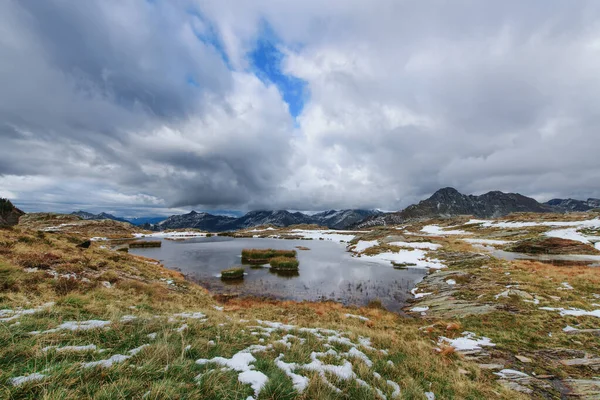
pixel 436 230
pixel 417 245
pixel 469 342
pixel 591 223
pixel 329 234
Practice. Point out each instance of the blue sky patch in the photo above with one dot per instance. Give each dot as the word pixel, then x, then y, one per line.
pixel 265 61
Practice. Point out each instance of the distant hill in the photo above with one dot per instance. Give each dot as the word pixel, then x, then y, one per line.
pixel 571 205
pixel 102 215
pixel 146 220
pixel 9 214
pixel 217 223
pixel 448 202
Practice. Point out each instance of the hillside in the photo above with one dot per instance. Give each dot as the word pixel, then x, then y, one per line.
pixel 89 216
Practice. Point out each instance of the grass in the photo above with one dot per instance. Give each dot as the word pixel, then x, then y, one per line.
pixel 284 264
pixel 166 368
pixel 263 256
pixel 232 273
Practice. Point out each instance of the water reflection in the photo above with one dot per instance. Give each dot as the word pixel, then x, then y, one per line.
pixel 327 271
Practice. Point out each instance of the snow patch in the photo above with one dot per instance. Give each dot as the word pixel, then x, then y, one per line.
pixel 468 342
pixel 437 231
pixel 20 380
pixel 417 245
pixel 573 311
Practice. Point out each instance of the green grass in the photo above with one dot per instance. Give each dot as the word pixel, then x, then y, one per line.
pixel 284 264
pixel 232 273
pixel 167 368
pixel 266 254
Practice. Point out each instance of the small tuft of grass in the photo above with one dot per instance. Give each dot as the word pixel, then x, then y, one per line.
pixel 232 273
pixel 284 264
pixel 266 254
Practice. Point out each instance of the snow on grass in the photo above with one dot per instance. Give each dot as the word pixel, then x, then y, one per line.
pixel 592 223
pixel 429 395
pixel 333 235
pixel 135 351
pixel 20 380
pixel 362 245
pixel 417 245
pixel 256 379
pixel 566 286
pixel 8 315
pixel 116 359
pixel 437 230
pixel 419 309
pixel 467 343
pixel 356 316
pixel 189 315
pixel 74 349
pixel 569 233
pixel 577 312
pixel 76 326
pixel 412 258
pixel 451 282
pixel 395 387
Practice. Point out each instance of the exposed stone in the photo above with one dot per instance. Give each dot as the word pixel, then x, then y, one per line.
pixel 523 359
pixel 491 366
pixel 583 388
pixel 587 362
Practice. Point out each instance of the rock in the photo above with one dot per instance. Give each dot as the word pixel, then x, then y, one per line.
pixel 463 371
pixel 85 245
pixel 106 284
pixel 515 292
pixel 555 298
pixel 583 388
pixel 491 366
pixel 594 332
pixel 523 359
pixel 587 362
pixel 515 386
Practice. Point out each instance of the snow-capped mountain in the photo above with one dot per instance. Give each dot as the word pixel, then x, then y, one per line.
pixel 216 223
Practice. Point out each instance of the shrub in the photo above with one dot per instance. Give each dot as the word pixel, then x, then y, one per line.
pixel 232 273
pixel 284 264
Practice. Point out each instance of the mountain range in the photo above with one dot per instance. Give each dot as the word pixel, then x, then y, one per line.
pixel 448 202
pixel 445 202
pixel 218 223
pixel 569 205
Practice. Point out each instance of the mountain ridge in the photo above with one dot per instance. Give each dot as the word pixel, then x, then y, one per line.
pixel 447 202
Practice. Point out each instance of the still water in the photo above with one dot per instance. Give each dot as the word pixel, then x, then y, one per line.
pixel 327 271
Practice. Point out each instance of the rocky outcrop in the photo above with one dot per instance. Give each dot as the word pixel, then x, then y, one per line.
pixel 9 214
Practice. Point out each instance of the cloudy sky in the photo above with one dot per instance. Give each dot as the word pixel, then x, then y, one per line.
pixel 146 107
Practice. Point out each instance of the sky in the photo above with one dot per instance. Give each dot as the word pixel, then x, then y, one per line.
pixel 155 107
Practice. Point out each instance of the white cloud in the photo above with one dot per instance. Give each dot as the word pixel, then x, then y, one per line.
pixel 403 98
